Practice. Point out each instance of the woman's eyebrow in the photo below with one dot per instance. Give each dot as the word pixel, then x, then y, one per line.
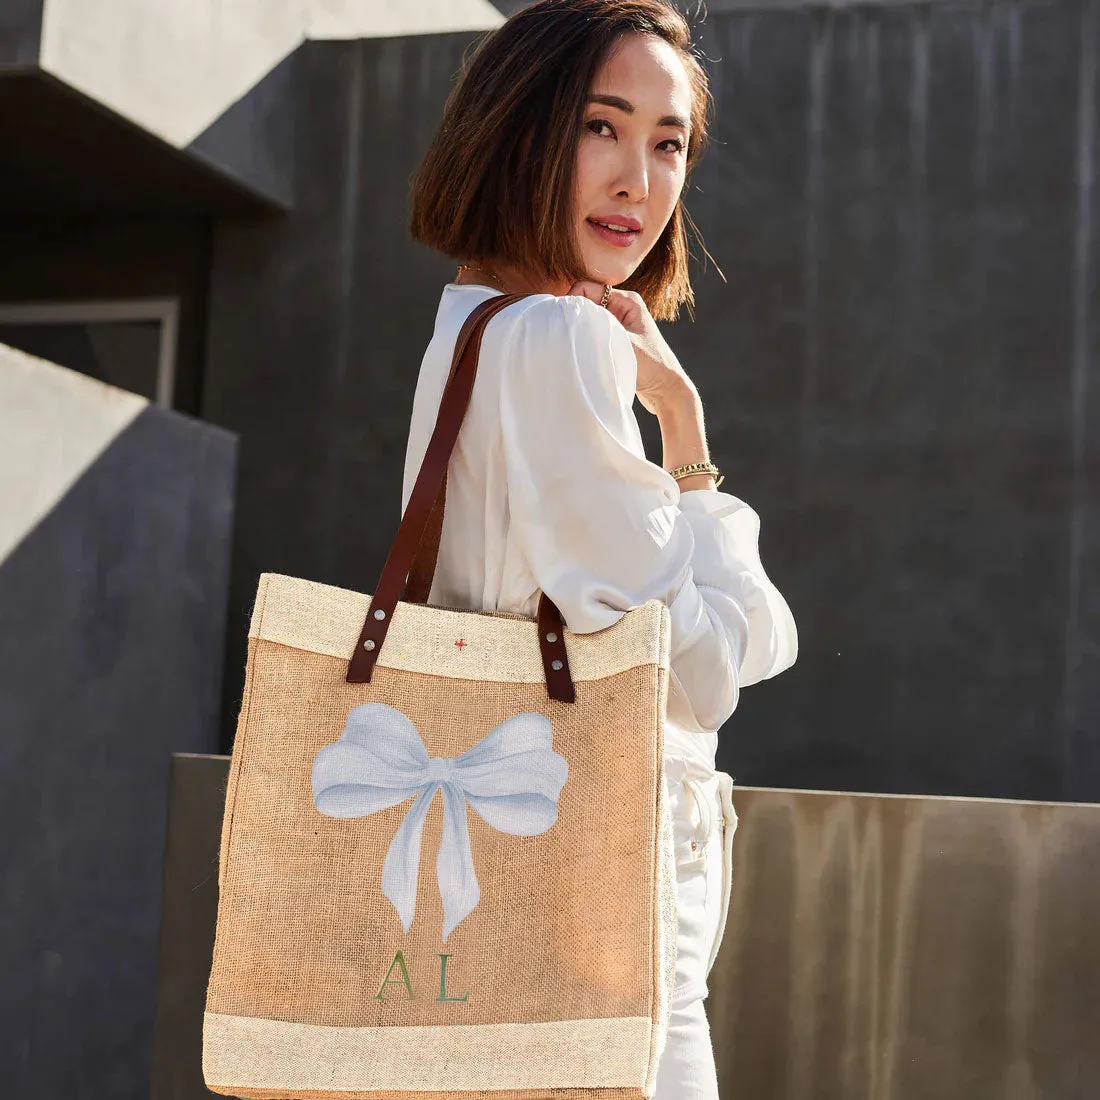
pixel 628 107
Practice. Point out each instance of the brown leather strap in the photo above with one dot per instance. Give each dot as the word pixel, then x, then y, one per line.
pixel 417 539
pixel 419 585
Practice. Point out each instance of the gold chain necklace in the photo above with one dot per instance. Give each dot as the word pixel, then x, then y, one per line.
pixel 491 274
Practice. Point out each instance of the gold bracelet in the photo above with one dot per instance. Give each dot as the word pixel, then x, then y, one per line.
pixel 698 468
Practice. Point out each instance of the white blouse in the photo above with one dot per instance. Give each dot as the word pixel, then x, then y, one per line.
pixel 549 488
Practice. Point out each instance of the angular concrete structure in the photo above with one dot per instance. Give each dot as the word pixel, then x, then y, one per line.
pixel 105 104
pixel 115 523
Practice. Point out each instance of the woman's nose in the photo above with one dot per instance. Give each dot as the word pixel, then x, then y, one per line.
pixel 632 181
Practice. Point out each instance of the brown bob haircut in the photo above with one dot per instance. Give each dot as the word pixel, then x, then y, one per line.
pixel 497 182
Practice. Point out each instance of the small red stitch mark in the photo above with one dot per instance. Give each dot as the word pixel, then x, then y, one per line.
pixel 460 643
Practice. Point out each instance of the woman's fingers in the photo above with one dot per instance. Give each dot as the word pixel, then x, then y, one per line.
pixel 589 288
pixel 620 303
pixel 659 371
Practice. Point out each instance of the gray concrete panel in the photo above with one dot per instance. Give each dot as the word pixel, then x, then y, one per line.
pixel 253 140
pixel 898 374
pixel 189 914
pixel 898 371
pixel 20 34
pixel 897 948
pixel 63 153
pixel 112 611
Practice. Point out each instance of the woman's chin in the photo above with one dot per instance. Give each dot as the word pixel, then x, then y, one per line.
pixel 600 271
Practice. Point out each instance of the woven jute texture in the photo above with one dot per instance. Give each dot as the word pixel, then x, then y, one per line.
pixel 556 983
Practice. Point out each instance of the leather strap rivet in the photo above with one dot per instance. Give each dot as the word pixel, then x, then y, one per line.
pixel 555 664
pixel 380 614
pixel 369 644
pixel 551 637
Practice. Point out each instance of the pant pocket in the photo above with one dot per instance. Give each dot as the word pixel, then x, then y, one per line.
pixel 690 848
pixel 722 852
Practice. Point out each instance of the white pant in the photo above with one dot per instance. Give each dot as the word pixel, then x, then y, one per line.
pixel 703 814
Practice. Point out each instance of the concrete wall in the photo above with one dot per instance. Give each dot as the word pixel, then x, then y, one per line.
pixel 115 521
pixel 99 98
pixel 20 34
pixel 902 369
pixel 174 69
pixel 189 916
pixel 899 371
pixel 894 948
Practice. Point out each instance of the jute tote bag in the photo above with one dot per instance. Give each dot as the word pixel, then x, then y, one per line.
pixel 514 938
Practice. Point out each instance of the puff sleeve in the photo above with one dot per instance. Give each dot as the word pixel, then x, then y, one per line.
pixel 603 529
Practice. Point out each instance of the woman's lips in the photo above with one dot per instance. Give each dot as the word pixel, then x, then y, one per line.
pixel 614 236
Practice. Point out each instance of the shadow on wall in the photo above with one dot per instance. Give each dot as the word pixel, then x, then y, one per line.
pixel 257 134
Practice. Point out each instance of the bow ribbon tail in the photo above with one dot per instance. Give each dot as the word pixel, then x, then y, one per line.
pixel 454 865
pixel 401 868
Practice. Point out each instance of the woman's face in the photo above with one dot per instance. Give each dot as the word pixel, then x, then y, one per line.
pixel 632 155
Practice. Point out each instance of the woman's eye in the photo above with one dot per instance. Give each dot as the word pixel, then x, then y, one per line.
pixel 594 125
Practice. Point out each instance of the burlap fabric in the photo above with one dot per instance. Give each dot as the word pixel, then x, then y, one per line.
pixel 556 983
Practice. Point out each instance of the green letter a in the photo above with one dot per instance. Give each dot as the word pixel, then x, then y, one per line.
pixel 398 958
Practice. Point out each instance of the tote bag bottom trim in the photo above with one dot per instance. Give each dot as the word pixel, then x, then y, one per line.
pixel 248 1052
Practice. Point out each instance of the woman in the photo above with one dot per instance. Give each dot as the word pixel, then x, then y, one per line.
pixel 558 171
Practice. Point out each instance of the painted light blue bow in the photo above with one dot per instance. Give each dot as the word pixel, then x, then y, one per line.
pixel 512 779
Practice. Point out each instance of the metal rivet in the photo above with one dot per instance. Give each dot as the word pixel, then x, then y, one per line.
pixel 380 614
pixel 555 664
pixel 551 637
pixel 368 644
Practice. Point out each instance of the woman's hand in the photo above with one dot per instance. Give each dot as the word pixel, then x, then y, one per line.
pixel 661 379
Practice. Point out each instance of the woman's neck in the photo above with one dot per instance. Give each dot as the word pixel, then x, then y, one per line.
pixel 509 279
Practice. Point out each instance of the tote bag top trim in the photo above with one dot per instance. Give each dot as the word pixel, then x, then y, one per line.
pixel 460 644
